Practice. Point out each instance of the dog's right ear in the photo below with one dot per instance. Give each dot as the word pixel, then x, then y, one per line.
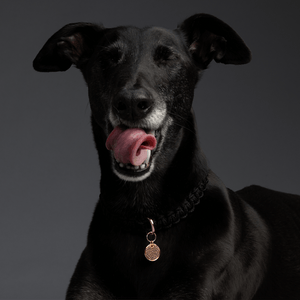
pixel 72 44
pixel 209 38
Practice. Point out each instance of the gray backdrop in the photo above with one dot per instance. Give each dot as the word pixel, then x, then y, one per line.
pixel 248 120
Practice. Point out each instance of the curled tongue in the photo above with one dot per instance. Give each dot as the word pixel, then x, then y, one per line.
pixel 130 145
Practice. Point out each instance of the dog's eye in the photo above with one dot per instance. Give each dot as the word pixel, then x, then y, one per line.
pixel 163 54
pixel 113 55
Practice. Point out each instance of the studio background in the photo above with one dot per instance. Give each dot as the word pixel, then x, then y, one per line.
pixel 247 117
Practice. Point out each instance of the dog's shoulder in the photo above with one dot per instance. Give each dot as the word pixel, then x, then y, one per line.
pixel 268 195
pixel 279 209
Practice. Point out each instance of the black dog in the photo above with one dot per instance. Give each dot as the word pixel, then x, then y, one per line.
pixel 203 240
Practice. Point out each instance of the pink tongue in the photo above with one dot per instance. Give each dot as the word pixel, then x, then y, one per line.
pixel 130 145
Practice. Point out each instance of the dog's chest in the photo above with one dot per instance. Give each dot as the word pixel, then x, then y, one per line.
pixel 121 259
pixel 177 274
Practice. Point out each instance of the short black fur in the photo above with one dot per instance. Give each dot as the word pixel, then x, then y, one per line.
pixel 230 245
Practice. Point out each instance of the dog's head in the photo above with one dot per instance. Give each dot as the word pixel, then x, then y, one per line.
pixel 141 82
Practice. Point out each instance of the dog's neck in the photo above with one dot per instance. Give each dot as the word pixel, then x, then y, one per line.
pixel 160 193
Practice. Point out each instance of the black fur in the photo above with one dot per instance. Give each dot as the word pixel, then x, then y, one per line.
pixel 232 245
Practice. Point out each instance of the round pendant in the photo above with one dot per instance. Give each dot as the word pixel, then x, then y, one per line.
pixel 152 252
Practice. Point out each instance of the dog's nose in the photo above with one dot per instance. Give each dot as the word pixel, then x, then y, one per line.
pixel 133 105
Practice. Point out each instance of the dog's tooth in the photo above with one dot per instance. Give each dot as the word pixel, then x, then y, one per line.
pixel 121 165
pixel 152 132
pixel 148 157
pixel 128 167
pixel 136 167
pixel 143 166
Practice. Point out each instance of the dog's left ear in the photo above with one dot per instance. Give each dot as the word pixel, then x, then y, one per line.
pixel 209 38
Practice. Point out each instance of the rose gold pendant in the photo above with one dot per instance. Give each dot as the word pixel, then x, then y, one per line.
pixel 152 251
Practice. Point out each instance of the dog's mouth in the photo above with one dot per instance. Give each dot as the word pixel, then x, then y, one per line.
pixel 133 151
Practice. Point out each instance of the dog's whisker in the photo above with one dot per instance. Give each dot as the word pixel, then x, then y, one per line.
pixel 177 116
pixel 184 127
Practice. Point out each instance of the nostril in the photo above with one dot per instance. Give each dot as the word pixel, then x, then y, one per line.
pixel 144 105
pixel 121 106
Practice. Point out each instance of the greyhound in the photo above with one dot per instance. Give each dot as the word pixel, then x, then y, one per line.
pixel 165 226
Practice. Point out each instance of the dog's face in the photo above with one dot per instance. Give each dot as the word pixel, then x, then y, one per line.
pixel 142 78
pixel 141 82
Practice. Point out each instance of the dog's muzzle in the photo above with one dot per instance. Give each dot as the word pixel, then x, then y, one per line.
pixel 137 120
